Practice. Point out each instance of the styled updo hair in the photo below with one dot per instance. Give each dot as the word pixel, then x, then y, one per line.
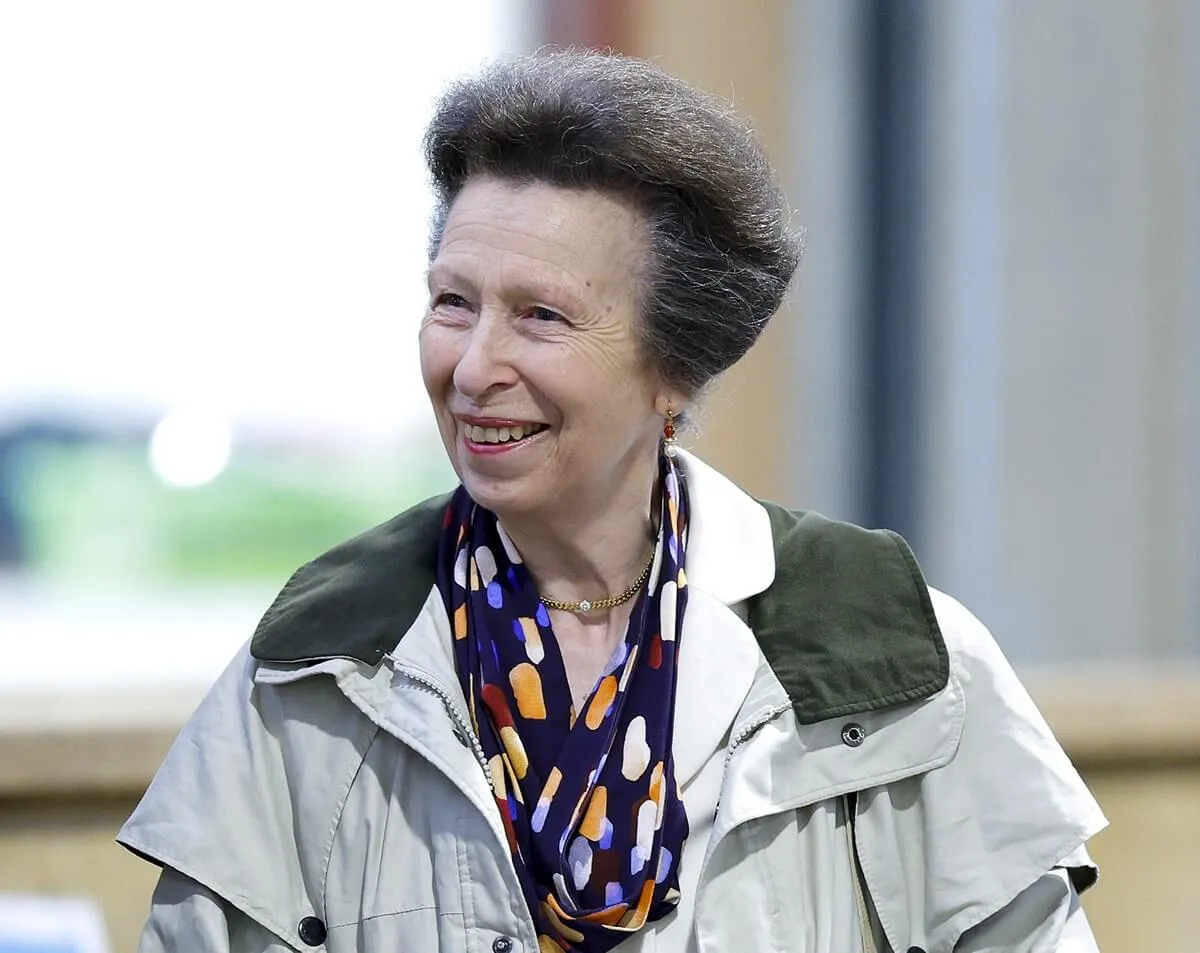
pixel 722 247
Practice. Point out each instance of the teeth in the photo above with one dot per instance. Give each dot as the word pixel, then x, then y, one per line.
pixel 500 434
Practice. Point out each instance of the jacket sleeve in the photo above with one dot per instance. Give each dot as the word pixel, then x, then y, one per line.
pixel 188 918
pixel 1044 918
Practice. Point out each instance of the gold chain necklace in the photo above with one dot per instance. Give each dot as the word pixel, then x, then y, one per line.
pixel 608 602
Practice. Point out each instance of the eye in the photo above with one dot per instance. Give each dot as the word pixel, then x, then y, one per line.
pixel 545 314
pixel 447 299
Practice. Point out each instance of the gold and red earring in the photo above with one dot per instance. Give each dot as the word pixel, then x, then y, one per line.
pixel 670 447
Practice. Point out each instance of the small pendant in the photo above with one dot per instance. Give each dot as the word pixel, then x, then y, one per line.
pixel 585 606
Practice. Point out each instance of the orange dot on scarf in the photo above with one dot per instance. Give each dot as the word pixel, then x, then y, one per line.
pixel 643 904
pixel 558 918
pixel 611 916
pixel 597 815
pixel 527 688
pixel 602 700
pixel 515 751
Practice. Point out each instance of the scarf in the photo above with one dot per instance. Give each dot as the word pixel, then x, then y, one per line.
pixel 588 799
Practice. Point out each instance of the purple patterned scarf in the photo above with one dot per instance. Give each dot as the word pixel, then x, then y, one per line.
pixel 589 802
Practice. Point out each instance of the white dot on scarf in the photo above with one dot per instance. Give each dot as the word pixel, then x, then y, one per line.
pixel 485 562
pixel 670 592
pixel 460 568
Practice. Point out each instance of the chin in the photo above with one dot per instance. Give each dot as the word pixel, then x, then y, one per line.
pixel 506 498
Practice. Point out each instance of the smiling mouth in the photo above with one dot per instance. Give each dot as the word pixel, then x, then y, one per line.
pixel 501 435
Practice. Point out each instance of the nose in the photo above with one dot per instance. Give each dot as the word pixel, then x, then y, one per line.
pixel 485 364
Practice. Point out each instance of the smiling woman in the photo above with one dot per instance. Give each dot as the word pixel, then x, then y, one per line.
pixel 598 697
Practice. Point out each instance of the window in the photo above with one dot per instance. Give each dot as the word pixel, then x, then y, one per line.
pixel 213 224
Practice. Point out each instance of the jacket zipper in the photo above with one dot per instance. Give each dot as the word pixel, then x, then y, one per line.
pixel 463 730
pixel 743 735
pixel 462 727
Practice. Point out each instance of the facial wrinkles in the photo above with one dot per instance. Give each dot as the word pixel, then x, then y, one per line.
pixel 515 278
pixel 589 285
pixel 597 330
pixel 593 260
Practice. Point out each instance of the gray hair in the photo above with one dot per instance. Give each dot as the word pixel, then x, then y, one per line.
pixel 722 249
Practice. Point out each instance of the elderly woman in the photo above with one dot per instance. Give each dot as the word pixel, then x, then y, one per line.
pixel 599 698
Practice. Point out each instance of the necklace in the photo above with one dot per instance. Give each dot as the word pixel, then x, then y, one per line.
pixel 608 602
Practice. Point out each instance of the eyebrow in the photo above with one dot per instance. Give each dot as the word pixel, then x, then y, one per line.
pixel 444 272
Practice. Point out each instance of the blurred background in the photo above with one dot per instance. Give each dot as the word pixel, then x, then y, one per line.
pixel 212 231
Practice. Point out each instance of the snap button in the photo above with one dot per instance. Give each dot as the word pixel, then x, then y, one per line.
pixel 853 734
pixel 312 931
pixel 502 944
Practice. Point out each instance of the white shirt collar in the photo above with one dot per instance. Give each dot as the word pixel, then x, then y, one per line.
pixel 730 553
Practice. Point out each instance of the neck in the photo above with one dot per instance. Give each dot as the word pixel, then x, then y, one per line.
pixel 581 555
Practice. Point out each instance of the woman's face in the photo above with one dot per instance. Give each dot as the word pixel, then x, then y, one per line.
pixel 529 354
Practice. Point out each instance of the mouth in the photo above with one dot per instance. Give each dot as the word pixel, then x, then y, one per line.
pixel 506 435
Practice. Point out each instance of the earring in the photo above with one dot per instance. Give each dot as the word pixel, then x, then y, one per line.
pixel 670 448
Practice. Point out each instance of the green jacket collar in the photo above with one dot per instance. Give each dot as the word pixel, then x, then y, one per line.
pixel 357 600
pixel 848 625
pixel 842 614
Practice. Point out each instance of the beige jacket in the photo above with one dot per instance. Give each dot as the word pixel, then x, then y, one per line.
pixel 339 801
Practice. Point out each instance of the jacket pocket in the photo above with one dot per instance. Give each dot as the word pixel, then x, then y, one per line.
pixel 394 857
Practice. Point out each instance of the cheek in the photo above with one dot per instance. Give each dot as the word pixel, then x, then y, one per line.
pixel 437 362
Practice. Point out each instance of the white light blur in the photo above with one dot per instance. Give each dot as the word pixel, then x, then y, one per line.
pixel 242 179
pixel 190 447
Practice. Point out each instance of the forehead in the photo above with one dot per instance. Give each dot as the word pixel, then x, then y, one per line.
pixel 584 236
